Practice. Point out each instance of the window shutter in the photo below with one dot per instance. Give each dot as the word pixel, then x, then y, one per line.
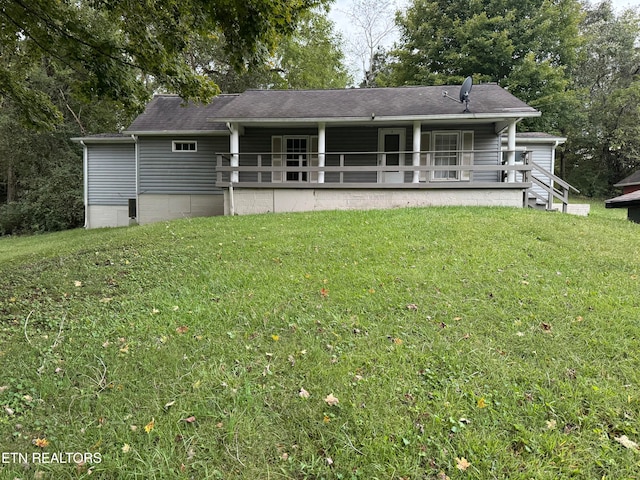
pixel 467 154
pixel 276 158
pixel 425 155
pixel 313 157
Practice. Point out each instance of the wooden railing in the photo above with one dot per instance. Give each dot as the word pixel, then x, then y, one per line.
pixel 548 181
pixel 366 170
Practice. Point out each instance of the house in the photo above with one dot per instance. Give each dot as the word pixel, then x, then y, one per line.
pixel 630 198
pixel 297 150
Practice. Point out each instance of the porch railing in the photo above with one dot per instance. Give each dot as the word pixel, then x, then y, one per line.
pixel 553 185
pixel 370 170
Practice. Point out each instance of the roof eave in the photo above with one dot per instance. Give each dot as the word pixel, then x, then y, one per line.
pixel 178 132
pixel 123 139
pixel 490 117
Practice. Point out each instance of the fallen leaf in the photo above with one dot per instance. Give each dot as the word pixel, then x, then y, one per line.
pixel 9 411
pixel 329 461
pixel 149 426
pixel 125 448
pixel 627 443
pixel 303 393
pixel 442 476
pixel 324 293
pixel 546 327
pixel 77 283
pixel 105 300
pixel 462 464
pixel 169 404
pixel 182 329
pixel 482 403
pixel 551 424
pixel 284 456
pixel 397 341
pixel 190 419
pixel 412 306
pixel 175 308
pixel 331 400
pixel 41 442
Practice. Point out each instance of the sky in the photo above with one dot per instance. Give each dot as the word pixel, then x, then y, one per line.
pixel 339 7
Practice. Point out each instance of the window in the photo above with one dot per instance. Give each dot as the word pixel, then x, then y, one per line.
pixel 296 151
pixel 454 147
pixel 445 153
pixel 184 146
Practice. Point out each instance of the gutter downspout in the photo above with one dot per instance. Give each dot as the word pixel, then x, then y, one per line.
pixel 135 149
pixel 553 171
pixel 85 174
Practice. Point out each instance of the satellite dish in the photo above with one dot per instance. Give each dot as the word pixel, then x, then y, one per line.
pixel 465 90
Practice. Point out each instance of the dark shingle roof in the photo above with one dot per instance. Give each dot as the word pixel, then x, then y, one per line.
pixel 628 200
pixel 168 113
pixel 633 179
pixel 105 138
pixel 363 103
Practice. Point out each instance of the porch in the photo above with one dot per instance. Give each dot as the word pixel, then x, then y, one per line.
pixel 267 182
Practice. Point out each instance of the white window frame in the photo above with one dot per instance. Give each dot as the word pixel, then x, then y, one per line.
pixel 174 143
pixel 464 156
pixel 307 156
pixel 434 174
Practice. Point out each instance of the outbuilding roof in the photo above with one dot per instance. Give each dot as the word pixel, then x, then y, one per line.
pixel 627 200
pixel 633 179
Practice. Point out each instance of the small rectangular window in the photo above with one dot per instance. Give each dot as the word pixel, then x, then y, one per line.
pixel 182 146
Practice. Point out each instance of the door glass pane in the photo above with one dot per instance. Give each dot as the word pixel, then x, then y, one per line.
pixel 296 156
pixel 392 148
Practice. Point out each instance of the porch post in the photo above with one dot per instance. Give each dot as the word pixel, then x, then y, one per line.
pixel 321 150
pixel 511 151
pixel 417 134
pixel 235 151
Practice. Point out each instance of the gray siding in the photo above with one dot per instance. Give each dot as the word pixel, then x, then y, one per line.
pixel 111 173
pixel 163 171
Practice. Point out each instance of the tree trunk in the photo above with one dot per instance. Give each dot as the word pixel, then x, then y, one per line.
pixel 11 191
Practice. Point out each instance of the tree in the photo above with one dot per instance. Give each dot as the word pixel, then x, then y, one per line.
pixel 111 43
pixel 42 169
pixel 312 56
pixel 605 147
pixel 527 47
pixel 373 23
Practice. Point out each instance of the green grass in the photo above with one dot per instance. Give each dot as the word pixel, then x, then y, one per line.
pixel 504 337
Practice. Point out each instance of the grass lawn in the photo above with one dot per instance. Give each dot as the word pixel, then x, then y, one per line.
pixel 406 344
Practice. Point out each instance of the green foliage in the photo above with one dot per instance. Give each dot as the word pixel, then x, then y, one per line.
pixel 525 46
pixel 605 146
pixel 111 43
pixel 504 337
pixel 312 57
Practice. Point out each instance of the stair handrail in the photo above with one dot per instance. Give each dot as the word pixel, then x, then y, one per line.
pixel 566 187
